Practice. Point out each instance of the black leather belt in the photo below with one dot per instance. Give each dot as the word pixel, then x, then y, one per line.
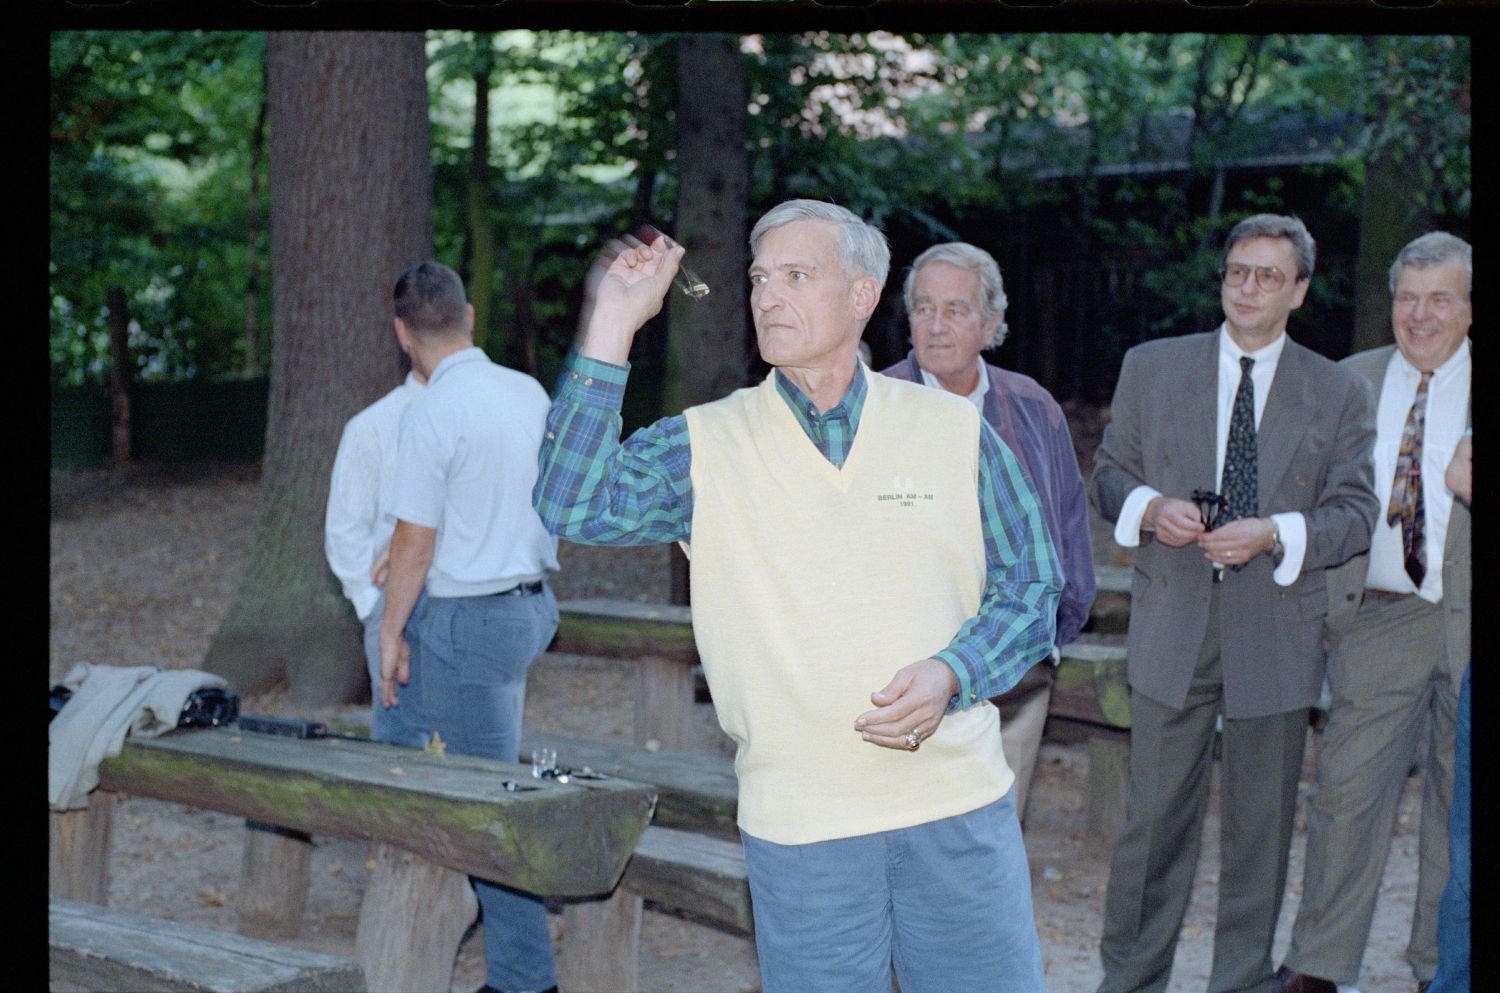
pixel 1385 595
pixel 525 589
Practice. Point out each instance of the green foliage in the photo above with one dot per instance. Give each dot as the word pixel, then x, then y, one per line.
pixel 932 136
pixel 149 155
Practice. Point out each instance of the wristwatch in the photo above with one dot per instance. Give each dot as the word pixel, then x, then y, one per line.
pixel 1277 549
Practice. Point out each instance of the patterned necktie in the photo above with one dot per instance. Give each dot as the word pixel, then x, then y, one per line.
pixel 1239 486
pixel 1406 491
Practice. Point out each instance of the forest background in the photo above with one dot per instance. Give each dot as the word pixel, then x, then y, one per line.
pixel 228 210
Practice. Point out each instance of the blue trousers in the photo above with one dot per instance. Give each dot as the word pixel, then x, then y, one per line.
pixel 946 905
pixel 469 659
pixel 1453 910
pixel 386 723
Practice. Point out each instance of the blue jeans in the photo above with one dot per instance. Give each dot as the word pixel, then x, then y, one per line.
pixel 1453 911
pixel 946 904
pixel 469 659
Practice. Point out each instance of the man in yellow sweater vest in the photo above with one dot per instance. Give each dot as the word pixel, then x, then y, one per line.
pixel 869 566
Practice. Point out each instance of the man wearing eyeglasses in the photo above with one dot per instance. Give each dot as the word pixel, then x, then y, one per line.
pixel 1398 621
pixel 1226 621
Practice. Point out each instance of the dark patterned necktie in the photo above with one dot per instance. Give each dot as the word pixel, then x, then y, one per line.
pixel 1239 486
pixel 1406 491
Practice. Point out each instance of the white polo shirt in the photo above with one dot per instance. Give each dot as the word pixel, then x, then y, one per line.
pixel 465 465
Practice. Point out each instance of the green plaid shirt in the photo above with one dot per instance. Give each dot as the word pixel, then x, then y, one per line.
pixel 595 489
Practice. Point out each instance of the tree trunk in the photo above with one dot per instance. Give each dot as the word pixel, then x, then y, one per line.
pixel 707 344
pixel 523 334
pixel 351 207
pixel 1393 211
pixel 119 374
pixel 707 354
pixel 481 281
pixel 251 363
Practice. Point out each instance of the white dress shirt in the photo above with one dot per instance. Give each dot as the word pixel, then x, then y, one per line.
pixel 358 525
pixel 975 396
pixel 1292 526
pixel 1443 427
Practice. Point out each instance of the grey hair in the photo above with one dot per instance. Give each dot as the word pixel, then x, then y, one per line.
pixel 975 260
pixel 862 249
pixel 1433 249
pixel 1277 226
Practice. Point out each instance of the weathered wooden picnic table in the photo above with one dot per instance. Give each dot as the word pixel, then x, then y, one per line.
pixel 434 819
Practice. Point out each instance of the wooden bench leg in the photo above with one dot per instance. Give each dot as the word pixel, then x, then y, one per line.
pixel 412 919
pixel 78 851
pixel 1109 776
pixel 663 702
pixel 601 944
pixel 274 876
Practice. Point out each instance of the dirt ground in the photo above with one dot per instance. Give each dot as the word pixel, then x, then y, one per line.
pixel 145 562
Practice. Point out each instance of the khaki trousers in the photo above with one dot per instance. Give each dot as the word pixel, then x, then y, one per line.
pixel 1395 694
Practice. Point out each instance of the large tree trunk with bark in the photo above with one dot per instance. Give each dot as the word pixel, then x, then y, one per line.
pixel 482 262
pixel 251 361
pixel 351 207
pixel 707 352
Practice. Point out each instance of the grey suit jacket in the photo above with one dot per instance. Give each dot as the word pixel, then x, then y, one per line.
pixel 1314 446
pixel 1346 584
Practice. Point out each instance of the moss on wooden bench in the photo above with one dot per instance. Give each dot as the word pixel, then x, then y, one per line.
pixel 1091 684
pixel 554 839
pixel 625 629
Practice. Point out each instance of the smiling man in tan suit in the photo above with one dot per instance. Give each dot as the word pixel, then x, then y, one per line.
pixel 1398 622
pixel 1226 623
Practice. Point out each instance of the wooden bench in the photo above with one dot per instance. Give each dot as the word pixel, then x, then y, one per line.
pixel 433 819
pixel 1111 610
pixel 96 949
pixel 695 791
pixel 1091 699
pixel 701 876
pixel 689 861
pixel 658 638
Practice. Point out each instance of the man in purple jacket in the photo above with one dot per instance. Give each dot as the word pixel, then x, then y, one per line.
pixel 955 302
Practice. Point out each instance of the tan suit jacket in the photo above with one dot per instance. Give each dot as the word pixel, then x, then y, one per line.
pixel 1346 584
pixel 1314 446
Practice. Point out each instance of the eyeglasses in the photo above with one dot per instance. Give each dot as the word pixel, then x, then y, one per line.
pixel 1267 277
pixel 1211 506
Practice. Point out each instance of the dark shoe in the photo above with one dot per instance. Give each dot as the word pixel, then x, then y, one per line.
pixel 487 988
pixel 1291 981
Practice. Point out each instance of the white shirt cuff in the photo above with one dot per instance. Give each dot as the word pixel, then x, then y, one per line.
pixel 1293 529
pixel 1128 527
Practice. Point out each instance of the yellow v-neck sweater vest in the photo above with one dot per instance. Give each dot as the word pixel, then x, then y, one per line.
pixel 812 586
